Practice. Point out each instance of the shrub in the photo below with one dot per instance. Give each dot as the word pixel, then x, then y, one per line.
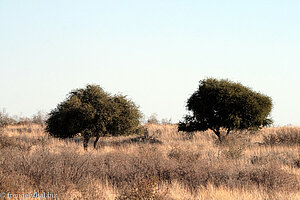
pixel 222 104
pixel 146 189
pixel 183 156
pixel 234 152
pixel 271 178
pixel 93 113
pixel 234 145
pixel 153 119
pixel 166 121
pixel 286 136
pixel 5 119
pixel 274 158
pixel 39 118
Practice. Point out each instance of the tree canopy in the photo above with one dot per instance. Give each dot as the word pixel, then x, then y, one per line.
pixel 223 104
pixel 92 112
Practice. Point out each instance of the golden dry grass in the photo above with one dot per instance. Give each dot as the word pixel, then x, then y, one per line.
pixel 167 165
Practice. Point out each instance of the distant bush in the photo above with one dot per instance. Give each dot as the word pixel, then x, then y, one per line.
pixel 146 189
pixel 275 158
pixel 234 145
pixel 283 136
pixel 153 119
pixel 166 121
pixel 5 119
pixel 270 178
pixel 183 155
pixel 39 118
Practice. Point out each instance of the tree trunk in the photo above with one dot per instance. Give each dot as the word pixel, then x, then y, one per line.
pixel 217 132
pixel 85 142
pixel 95 142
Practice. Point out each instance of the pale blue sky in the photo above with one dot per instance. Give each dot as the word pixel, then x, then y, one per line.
pixel 153 51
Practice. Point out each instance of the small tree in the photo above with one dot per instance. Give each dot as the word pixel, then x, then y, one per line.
pixel 224 104
pixel 93 113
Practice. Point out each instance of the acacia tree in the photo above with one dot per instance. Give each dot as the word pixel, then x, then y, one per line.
pixel 222 104
pixel 92 112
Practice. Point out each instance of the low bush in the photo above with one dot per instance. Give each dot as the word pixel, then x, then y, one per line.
pixel 269 178
pixel 146 189
pixel 183 155
pixel 5 119
pixel 283 136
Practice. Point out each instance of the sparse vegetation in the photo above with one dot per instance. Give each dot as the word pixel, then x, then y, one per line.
pixel 153 119
pixel 6 119
pixel 132 167
pixel 283 136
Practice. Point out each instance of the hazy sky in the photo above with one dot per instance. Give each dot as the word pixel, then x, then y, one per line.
pixel 153 51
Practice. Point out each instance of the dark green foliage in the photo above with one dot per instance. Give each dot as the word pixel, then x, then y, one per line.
pixel 93 113
pixel 224 104
pixel 126 116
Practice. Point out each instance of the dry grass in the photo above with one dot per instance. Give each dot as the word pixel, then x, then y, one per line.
pixel 166 165
pixel 283 136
